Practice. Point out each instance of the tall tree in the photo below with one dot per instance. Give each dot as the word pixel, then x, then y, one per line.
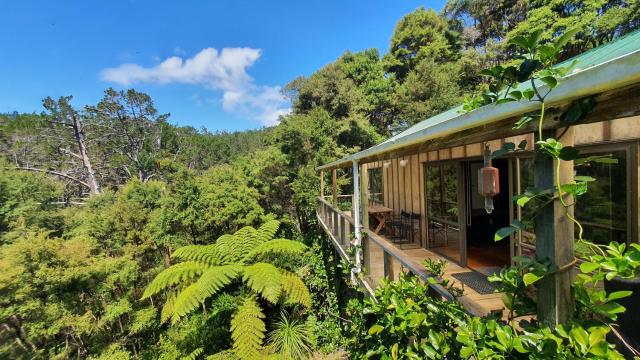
pixel 422 34
pixel 63 151
pixel 131 131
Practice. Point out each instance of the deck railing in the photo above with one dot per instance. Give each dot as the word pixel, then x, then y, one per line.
pixel 380 257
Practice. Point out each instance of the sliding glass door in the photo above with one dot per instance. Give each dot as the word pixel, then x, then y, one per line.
pixel 443 205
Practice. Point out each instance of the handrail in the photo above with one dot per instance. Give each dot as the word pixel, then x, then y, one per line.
pixel 340 212
pixel 410 264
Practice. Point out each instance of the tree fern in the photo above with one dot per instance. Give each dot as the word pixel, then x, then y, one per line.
pixel 212 280
pixel 267 231
pixel 186 301
pixel 248 329
pixel 178 273
pixel 207 269
pixel 264 279
pixel 278 247
pixel 295 290
pixel 208 254
pixel 167 309
pixel 216 278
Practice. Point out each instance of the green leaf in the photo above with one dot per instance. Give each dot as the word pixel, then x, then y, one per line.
pixel 563 39
pixel 375 329
pixel 504 232
pixel 530 278
pixel 523 200
pixel 588 267
pixel 551 81
pixel 619 295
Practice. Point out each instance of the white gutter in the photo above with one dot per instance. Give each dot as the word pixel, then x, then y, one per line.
pixel 610 75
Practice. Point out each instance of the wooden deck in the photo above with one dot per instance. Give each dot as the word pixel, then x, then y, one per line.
pixel 410 258
pixel 383 258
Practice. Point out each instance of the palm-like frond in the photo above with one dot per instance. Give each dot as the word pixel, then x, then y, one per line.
pixel 295 290
pixel 212 280
pixel 216 278
pixel 207 254
pixel 278 247
pixel 228 248
pixel 264 279
pixel 267 231
pixel 248 329
pixel 167 309
pixel 178 273
pixel 187 301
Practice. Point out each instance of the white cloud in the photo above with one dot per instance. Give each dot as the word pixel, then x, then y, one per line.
pixel 224 70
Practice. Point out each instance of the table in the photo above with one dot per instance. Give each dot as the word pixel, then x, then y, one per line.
pixel 380 213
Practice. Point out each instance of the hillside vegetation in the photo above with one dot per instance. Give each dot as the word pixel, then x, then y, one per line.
pixel 124 236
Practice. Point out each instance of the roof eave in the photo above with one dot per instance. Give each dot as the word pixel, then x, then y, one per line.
pixel 613 74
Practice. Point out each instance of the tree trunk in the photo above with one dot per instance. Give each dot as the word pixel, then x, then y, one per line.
pixel 94 189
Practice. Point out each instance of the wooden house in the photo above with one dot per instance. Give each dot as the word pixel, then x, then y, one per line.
pixel 427 176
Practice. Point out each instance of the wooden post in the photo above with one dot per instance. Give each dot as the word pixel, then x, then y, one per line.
pixel 554 239
pixel 334 187
pixel 364 191
pixel 322 184
pixel 356 221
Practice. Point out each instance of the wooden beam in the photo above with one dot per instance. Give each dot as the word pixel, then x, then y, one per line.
pixel 334 187
pixel 555 238
pixel 321 183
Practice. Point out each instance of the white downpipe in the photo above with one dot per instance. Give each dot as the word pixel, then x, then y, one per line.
pixel 357 223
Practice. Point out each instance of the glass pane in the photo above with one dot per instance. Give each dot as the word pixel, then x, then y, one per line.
pixel 433 192
pixel 375 186
pixel 603 209
pixel 450 196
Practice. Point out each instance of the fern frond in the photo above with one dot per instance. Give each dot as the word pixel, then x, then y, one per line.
pixel 267 230
pixel 264 279
pixel 194 354
pixel 167 309
pixel 216 278
pixel 199 253
pixel 248 329
pixel 295 290
pixel 232 247
pixel 277 246
pixel 187 301
pixel 208 284
pixel 177 273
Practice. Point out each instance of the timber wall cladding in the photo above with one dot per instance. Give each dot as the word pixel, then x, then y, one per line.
pixel 404 186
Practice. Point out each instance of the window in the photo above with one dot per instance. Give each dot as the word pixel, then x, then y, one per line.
pixel 442 191
pixel 375 186
pixel 603 209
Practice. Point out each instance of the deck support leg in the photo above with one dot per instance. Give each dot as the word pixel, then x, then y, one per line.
pixel 554 239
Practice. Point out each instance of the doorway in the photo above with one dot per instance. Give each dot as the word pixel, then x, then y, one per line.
pixel 484 254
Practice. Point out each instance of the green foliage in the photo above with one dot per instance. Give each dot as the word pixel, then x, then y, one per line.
pixel 248 329
pixel 208 269
pixel 291 338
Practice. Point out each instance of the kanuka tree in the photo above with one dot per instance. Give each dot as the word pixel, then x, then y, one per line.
pixel 66 147
pixel 132 132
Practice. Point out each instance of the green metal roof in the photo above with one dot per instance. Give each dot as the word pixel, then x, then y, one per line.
pixel 607 67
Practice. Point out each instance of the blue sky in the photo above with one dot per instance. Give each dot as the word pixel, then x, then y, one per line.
pixel 214 64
